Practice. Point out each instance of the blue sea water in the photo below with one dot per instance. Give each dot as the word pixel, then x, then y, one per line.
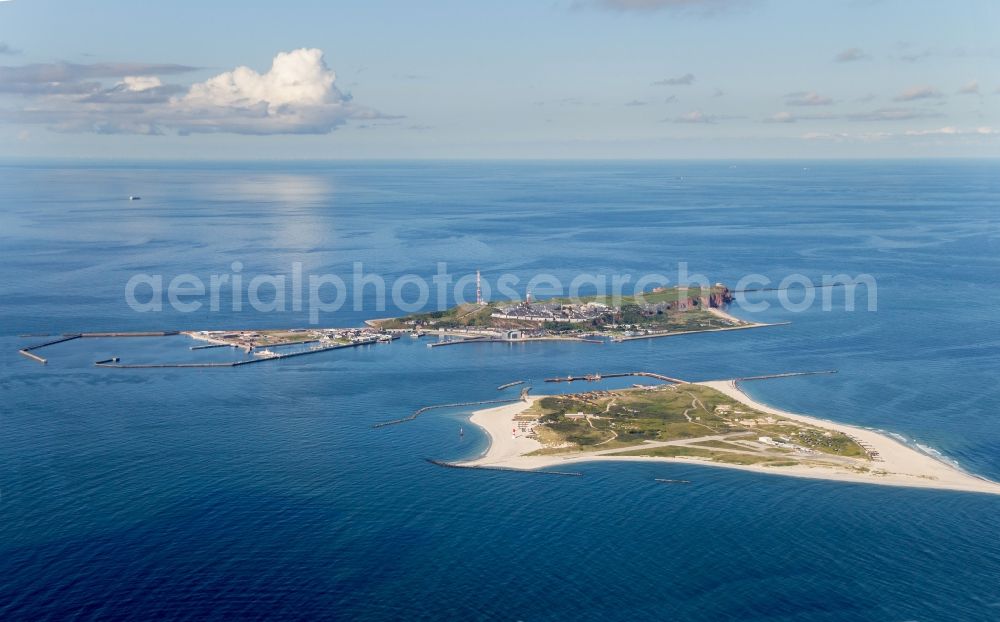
pixel 263 492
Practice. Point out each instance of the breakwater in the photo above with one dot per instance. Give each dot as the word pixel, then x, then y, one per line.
pixel 596 377
pixel 28 352
pixel 701 330
pixel 113 363
pixel 157 333
pixel 786 375
pixel 421 411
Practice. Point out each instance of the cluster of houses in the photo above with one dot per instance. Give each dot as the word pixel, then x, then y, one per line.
pixel 552 312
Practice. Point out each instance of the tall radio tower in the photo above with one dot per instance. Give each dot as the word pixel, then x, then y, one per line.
pixel 479 290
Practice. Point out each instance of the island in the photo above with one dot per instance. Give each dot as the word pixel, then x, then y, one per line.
pixel 710 423
pixel 664 311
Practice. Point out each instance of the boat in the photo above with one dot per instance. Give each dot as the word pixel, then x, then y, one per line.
pixel 134 197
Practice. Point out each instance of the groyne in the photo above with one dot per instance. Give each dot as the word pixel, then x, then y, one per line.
pixel 420 411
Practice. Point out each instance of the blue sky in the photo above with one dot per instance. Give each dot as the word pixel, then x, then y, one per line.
pixel 513 79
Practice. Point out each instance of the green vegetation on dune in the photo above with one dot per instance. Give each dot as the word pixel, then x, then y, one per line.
pixel 695 420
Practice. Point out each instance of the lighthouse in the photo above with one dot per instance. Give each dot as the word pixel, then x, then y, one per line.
pixel 479 290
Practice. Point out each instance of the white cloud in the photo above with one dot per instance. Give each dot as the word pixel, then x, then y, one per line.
pixel 297 95
pixel 977 134
pixel 695 116
pixel 139 83
pixel 850 55
pixel 918 92
pixel 893 114
pixel 954 131
pixel 298 78
pixel 971 88
pixel 781 117
pixel 807 98
pixel 787 117
pixel 685 80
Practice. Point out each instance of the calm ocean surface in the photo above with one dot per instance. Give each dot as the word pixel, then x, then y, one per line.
pixel 262 491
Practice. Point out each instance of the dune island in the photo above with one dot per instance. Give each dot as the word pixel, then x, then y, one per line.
pixel 709 423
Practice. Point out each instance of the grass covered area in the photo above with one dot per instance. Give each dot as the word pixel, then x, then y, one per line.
pixel 705 420
pixel 462 316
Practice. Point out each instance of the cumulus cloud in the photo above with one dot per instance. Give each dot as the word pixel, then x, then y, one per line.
pixel 297 95
pixel 918 92
pixel 850 55
pixel 971 88
pixel 685 80
pixel 807 98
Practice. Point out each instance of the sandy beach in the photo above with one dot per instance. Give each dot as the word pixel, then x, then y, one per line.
pixel 900 465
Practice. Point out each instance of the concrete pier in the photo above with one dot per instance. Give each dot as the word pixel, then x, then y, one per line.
pixel 32 356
